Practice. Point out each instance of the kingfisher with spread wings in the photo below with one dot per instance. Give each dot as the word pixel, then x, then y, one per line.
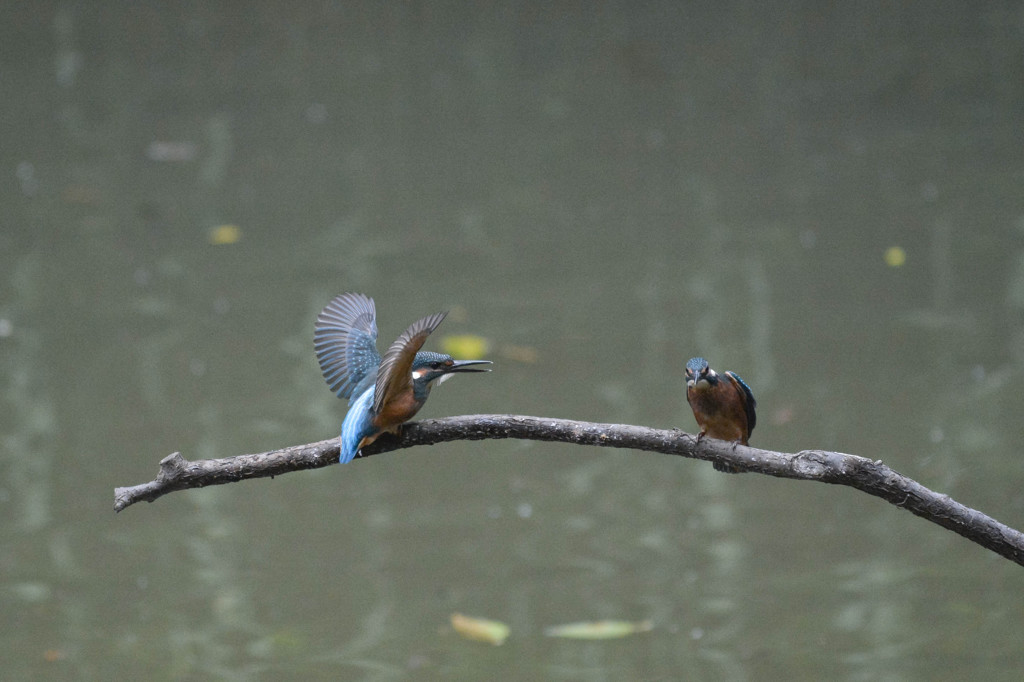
pixel 384 392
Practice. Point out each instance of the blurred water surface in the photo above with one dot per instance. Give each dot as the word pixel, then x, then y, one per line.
pixel 614 187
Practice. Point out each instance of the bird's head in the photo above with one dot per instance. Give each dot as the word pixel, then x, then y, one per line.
pixel 430 367
pixel 699 374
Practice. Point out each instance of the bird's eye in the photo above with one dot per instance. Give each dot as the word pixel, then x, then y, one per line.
pixel 435 365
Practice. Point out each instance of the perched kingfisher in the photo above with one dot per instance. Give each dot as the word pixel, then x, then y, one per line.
pixel 383 393
pixel 722 404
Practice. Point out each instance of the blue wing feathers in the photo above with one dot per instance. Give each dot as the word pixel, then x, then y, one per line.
pixel 358 425
pixel 749 404
pixel 345 342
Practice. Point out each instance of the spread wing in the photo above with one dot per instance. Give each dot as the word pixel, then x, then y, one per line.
pixel 345 342
pixel 395 373
pixel 749 404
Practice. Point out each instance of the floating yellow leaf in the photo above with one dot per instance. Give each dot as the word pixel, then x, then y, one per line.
pixel 225 234
pixel 895 256
pixel 465 346
pixel 480 629
pixel 602 629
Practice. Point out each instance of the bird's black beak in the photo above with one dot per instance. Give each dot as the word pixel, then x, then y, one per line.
pixel 466 366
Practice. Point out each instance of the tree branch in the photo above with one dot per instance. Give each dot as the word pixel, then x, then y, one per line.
pixel 872 477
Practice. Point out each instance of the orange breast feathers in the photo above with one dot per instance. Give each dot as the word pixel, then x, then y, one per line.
pixel 719 412
pixel 396 411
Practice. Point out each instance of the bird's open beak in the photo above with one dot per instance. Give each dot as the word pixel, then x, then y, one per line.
pixel 466 366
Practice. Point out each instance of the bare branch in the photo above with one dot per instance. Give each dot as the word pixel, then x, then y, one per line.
pixel 872 477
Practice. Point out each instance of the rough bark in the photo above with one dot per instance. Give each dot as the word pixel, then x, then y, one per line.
pixel 870 476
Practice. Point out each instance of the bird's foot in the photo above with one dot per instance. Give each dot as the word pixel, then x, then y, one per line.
pixel 726 467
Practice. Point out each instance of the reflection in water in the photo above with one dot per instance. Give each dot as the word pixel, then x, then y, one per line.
pixel 873 614
pixel 31 426
pixel 207 642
